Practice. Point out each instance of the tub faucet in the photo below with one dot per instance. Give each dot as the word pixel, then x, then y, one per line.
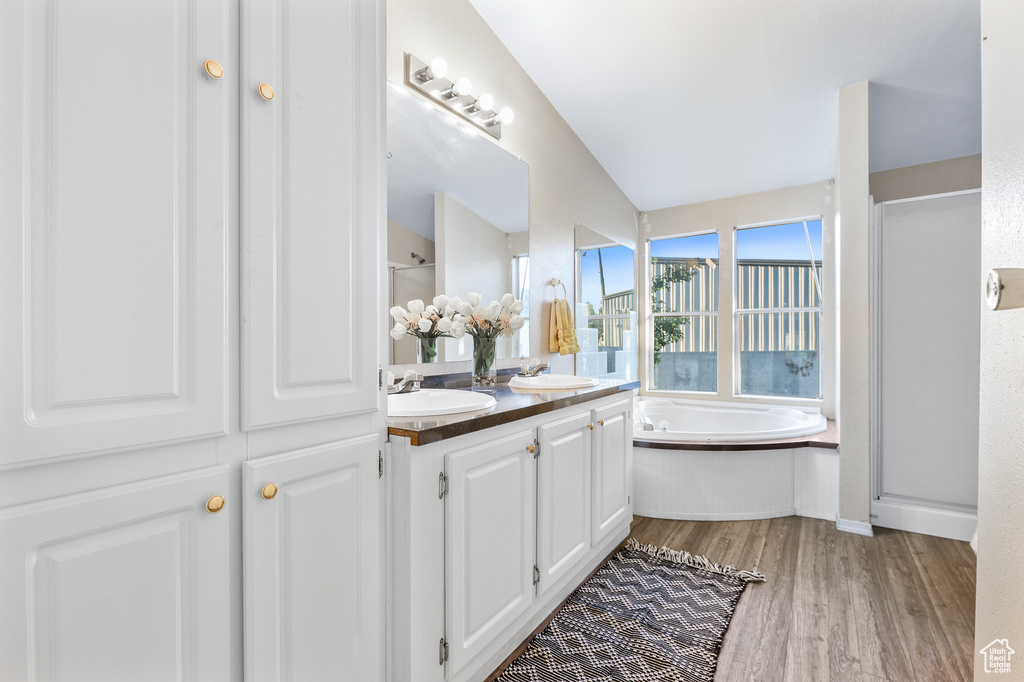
pixel 527 368
pixel 409 383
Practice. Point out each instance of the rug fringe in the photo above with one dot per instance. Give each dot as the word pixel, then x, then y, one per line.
pixel 701 562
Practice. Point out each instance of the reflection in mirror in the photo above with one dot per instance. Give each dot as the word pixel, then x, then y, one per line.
pixel 458 219
pixel 606 312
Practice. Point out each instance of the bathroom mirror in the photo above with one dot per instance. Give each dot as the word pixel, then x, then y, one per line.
pixel 458 218
pixel 605 312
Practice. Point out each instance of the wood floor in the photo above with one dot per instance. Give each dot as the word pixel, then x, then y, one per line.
pixel 837 606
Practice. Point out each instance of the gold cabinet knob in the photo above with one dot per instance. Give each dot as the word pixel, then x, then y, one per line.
pixel 215 504
pixel 601 422
pixel 269 490
pixel 591 426
pixel 530 448
pixel 266 92
pixel 214 68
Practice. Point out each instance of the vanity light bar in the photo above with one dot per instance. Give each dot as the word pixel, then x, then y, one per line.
pixel 455 96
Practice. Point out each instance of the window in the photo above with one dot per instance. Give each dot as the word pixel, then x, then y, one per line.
pixel 778 310
pixel 684 310
pixel 521 277
pixel 606 316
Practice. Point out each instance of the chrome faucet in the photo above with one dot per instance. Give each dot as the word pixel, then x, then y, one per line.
pixel 409 383
pixel 527 368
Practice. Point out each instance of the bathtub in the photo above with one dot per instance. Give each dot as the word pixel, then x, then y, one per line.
pixel 689 420
pixel 725 461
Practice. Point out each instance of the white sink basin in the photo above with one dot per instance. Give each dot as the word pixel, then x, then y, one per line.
pixel 428 402
pixel 552 382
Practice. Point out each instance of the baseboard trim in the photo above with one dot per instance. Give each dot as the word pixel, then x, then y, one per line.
pixel 943 523
pixel 754 516
pixel 858 527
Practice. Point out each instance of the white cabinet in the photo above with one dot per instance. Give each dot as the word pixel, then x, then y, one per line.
pixel 181 260
pixel 313 549
pixel 613 470
pixel 491 530
pixel 563 497
pixel 123 583
pixel 312 187
pixel 490 542
pixel 115 159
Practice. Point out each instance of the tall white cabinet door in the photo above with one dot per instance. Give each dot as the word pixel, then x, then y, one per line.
pixel 490 545
pixel 563 497
pixel 312 183
pixel 115 165
pixel 613 447
pixel 313 586
pixel 122 583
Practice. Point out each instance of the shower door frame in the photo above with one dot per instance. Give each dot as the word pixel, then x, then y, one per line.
pixel 910 514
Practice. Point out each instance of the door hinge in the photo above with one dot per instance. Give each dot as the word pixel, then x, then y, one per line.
pixel 380 464
pixel 442 485
pixel 442 652
pixel 536 574
pixel 536 448
pixel 380 377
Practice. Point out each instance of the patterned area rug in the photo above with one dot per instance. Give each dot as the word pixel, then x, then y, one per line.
pixel 648 614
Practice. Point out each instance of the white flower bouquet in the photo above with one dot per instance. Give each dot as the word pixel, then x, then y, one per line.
pixel 485 325
pixel 428 323
pixel 500 318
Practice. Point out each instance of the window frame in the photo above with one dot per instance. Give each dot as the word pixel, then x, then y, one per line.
pixel 737 312
pixel 648 379
pixel 579 289
pixel 523 335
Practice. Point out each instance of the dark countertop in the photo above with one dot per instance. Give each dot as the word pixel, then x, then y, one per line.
pixel 513 404
pixel 828 439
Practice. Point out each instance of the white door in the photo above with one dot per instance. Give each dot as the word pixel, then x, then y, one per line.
pixel 122 583
pixel 613 448
pixel 490 524
pixel 115 162
pixel 928 363
pixel 314 564
pixel 312 184
pixel 563 497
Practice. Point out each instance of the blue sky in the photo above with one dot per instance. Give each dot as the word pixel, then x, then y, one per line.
pixel 617 262
pixel 784 242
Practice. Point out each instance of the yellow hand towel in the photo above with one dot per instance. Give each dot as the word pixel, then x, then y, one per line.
pixel 566 331
pixel 553 328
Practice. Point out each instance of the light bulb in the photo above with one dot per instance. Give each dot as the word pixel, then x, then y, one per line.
pixel 463 86
pixel 485 102
pixel 506 116
pixel 438 68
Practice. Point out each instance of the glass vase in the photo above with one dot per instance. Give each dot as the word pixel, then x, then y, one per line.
pixel 485 373
pixel 426 349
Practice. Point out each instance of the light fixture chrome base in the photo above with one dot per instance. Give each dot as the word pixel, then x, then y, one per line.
pixel 459 105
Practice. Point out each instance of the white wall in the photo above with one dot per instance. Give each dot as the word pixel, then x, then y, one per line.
pixel 402 242
pixel 852 230
pixel 938 177
pixel 1000 596
pixel 723 215
pixel 472 254
pixel 566 182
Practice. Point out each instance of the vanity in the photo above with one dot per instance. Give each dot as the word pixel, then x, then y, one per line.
pixel 495 517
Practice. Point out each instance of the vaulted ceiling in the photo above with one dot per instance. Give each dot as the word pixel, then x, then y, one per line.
pixel 690 100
